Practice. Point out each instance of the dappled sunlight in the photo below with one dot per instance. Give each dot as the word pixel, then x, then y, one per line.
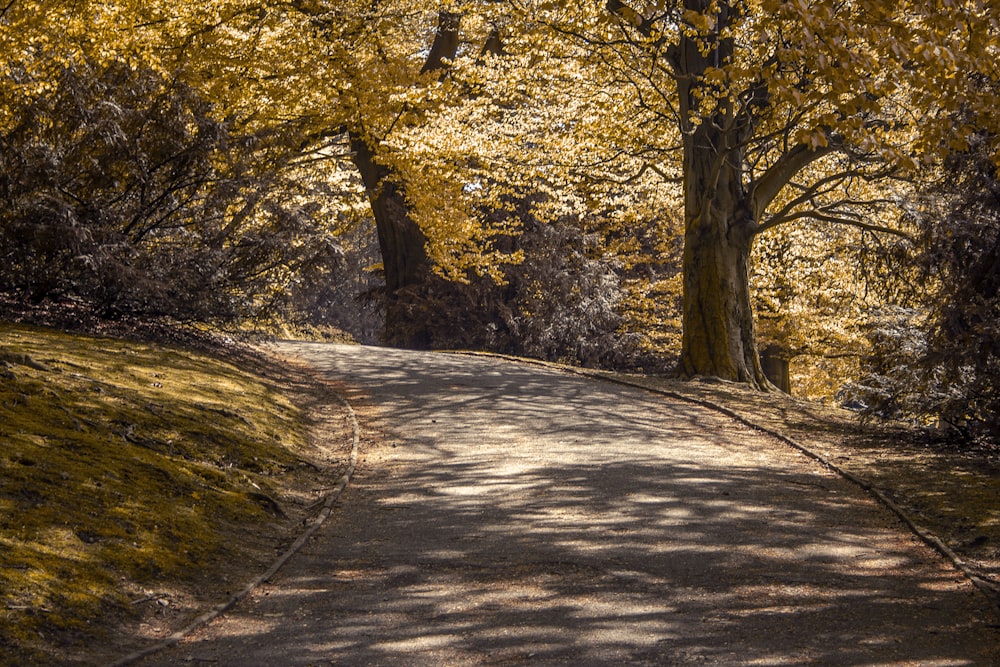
pixel 598 526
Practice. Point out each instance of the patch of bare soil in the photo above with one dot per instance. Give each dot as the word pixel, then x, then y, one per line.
pixel 950 491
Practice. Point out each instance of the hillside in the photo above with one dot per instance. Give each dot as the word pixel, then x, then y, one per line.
pixel 138 484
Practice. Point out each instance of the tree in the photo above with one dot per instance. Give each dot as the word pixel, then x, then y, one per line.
pixel 367 60
pixel 767 112
pixel 264 88
pixel 405 263
pixel 752 114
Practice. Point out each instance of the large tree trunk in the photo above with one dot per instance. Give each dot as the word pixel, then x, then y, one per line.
pixel 402 245
pixel 718 328
pixel 408 275
pixel 400 239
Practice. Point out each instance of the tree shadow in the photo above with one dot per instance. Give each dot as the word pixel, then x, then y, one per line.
pixel 530 517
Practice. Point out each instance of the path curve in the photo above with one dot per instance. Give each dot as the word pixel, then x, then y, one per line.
pixel 518 515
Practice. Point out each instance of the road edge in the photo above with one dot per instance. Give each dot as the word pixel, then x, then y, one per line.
pixel 311 528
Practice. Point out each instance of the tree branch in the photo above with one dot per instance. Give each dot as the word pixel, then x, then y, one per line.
pixel 493 45
pixel 767 187
pixel 628 180
pixel 630 16
pixel 833 219
pixel 643 25
pixel 6 8
pixel 810 192
pixel 445 44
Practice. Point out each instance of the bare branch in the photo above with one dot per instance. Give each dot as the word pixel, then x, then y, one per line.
pixel 810 192
pixel 767 187
pixel 628 180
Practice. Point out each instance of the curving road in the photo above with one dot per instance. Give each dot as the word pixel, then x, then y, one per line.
pixel 507 515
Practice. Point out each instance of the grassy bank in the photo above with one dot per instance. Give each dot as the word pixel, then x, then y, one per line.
pixel 124 466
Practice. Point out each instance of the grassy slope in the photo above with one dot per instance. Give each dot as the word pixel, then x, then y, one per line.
pixel 123 465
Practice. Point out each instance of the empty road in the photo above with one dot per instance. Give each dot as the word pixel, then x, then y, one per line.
pixel 508 514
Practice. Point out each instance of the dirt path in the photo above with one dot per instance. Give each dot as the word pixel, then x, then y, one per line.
pixel 515 515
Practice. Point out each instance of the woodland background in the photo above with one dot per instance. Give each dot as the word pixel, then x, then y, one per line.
pixel 528 177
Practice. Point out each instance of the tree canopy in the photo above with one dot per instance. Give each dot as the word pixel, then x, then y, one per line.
pixel 729 174
pixel 765 113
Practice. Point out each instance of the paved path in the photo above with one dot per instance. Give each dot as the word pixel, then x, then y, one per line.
pixel 516 515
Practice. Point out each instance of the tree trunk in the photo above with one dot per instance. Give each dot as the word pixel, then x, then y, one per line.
pixel 407 268
pixel 402 244
pixel 400 240
pixel 718 329
pixel 718 326
pixel 776 367
pixel 445 44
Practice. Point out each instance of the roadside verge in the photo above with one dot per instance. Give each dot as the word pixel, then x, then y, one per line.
pixel 327 503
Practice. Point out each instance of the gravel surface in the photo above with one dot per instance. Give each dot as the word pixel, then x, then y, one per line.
pixel 507 514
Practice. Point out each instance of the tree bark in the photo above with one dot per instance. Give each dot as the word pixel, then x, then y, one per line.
pixel 400 239
pixel 718 336
pixel 775 362
pixel 445 44
pixel 402 243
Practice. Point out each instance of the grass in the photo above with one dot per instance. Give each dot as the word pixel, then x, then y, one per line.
pixel 124 465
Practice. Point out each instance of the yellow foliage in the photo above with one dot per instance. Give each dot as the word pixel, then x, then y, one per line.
pixel 586 110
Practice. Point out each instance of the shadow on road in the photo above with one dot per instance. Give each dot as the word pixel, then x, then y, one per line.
pixel 528 517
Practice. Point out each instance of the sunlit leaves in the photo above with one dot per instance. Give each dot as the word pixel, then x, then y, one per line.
pixel 587 112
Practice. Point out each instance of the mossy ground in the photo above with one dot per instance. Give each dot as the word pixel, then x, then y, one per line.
pixel 126 469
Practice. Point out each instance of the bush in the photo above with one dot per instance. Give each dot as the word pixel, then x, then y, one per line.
pixel 563 302
pixel 118 187
pixel 943 361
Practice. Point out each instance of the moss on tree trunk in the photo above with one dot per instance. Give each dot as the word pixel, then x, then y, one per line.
pixel 719 337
